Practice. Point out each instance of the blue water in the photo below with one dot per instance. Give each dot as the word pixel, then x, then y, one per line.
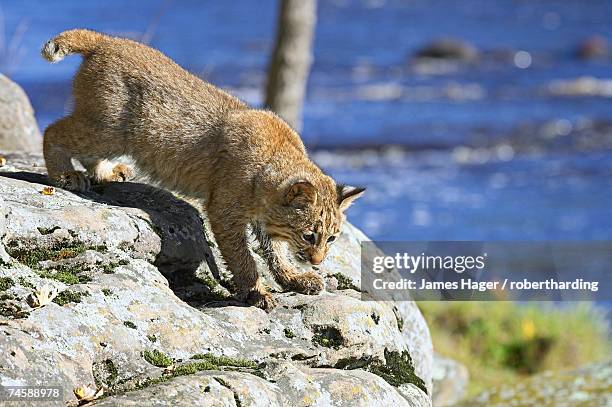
pixel 366 90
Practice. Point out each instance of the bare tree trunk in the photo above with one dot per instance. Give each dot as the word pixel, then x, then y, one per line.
pixel 290 63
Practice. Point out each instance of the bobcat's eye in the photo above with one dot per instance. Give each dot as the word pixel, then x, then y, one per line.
pixel 310 237
pixel 331 239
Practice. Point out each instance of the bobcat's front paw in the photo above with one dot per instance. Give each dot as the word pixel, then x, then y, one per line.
pixel 76 181
pixel 307 283
pixel 121 173
pixel 261 299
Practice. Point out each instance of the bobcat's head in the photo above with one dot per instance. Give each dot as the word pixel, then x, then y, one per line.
pixel 310 215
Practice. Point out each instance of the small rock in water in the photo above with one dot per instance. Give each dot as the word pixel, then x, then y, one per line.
pixel 449 48
pixel 593 47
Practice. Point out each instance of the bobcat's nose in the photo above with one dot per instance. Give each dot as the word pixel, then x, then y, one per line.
pixel 316 260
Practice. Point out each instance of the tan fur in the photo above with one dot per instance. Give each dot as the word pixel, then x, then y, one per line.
pixel 248 165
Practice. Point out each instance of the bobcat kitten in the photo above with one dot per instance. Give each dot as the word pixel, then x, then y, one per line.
pixel 248 165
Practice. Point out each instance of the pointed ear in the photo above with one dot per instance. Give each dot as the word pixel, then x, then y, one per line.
pixel 300 193
pixel 347 194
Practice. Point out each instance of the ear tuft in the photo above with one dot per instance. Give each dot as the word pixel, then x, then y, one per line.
pixel 347 194
pixel 300 193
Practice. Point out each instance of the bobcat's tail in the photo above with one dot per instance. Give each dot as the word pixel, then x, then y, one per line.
pixel 71 42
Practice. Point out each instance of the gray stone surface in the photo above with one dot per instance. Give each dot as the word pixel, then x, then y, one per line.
pixel 450 381
pixel 18 127
pixel 134 267
pixel 588 386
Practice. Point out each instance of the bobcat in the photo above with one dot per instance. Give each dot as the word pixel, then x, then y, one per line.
pixel 248 166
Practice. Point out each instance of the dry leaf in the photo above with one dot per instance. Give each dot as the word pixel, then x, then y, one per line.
pixel 48 191
pixel 42 296
pixel 88 393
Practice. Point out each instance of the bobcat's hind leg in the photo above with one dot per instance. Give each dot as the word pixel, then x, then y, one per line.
pixel 70 138
pixel 102 171
pixel 60 144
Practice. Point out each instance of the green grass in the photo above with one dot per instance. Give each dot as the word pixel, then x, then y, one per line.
pixel 501 342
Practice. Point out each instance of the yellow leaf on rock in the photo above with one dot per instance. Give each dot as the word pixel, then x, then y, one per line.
pixel 48 191
pixel 88 393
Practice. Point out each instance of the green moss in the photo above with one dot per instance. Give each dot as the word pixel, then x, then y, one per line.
pixel 112 371
pixel 4 263
pixel 126 246
pixel 107 292
pixel 157 358
pixel 375 317
pixel 227 386
pixel 67 274
pixel 345 283
pixel 289 333
pixel 32 256
pixel 351 363
pixel 129 324
pixel 12 310
pixel 6 283
pixel 215 292
pixel 66 297
pixel 152 338
pixel 194 367
pixel 397 370
pixel 328 337
pixel 209 282
pixel 202 362
pixel 47 231
pixel 25 283
pixel 221 361
pixel 102 248
pixel 109 268
pixel 398 319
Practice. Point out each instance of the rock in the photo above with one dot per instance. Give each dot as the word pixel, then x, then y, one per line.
pixel 18 127
pixel 583 86
pixel 587 386
pixel 140 313
pixel 593 47
pixel 449 48
pixel 450 381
